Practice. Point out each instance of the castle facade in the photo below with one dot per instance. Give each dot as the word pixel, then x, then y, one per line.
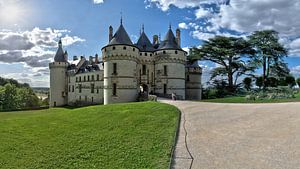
pixel 126 72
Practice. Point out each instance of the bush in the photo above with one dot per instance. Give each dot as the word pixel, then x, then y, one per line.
pixel 281 92
pixel 152 98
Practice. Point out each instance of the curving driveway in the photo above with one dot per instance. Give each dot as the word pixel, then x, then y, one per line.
pixel 237 136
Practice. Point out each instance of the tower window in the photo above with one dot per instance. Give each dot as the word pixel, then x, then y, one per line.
pixel 140 54
pixel 176 52
pixel 98 77
pixel 114 89
pixel 188 78
pixel 144 69
pixel 69 88
pixel 105 49
pixel 114 68
pixel 80 79
pixel 72 88
pixel 84 78
pixel 76 79
pixel 164 52
pixel 97 90
pixel 124 48
pixel 114 48
pixel 88 78
pixel 150 54
pixel 93 78
pixel 92 88
pixel 80 88
pixel 133 49
pixel 147 76
pixel 145 54
pixel 165 70
pixel 165 88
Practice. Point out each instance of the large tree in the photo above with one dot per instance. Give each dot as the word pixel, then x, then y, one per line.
pixel 269 53
pixel 227 53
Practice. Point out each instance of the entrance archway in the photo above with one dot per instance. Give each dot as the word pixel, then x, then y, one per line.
pixel 144 89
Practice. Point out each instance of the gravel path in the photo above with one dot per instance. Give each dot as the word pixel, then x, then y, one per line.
pixel 238 136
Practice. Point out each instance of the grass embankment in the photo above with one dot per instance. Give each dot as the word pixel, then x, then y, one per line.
pixel 242 99
pixel 134 135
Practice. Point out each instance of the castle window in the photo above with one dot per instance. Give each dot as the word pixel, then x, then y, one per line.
pixel 97 90
pixel 114 68
pixel 165 70
pixel 176 52
pixel 114 48
pixel 144 69
pixel 140 54
pixel 80 88
pixel 150 54
pixel 147 76
pixel 165 88
pixel 88 78
pixel 124 48
pixel 188 78
pixel 92 99
pixel 76 79
pixel 84 79
pixel 105 49
pixel 164 52
pixel 93 78
pixel 133 49
pixel 69 88
pixel 114 89
pixel 98 77
pixel 80 79
pixel 69 80
pixel 92 88
pixel 152 78
pixel 145 54
pixel 72 88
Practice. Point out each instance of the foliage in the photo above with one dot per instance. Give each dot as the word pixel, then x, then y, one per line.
pixel 269 53
pixel 298 81
pixel 13 97
pixel 4 81
pixel 259 82
pixel 227 52
pixel 133 135
pixel 290 80
pixel 247 83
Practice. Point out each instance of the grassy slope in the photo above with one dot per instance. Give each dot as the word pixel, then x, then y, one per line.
pixel 135 135
pixel 237 99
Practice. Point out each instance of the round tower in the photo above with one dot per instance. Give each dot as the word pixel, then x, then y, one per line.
pixel 120 68
pixel 170 67
pixel 193 81
pixel 58 78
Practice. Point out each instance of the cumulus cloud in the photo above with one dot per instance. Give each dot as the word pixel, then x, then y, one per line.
pixel 35 48
pixel 183 25
pixel 98 1
pixel 165 4
pixel 201 13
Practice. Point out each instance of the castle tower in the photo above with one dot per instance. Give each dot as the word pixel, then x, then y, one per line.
pixel 58 78
pixel 193 81
pixel 170 67
pixel 120 67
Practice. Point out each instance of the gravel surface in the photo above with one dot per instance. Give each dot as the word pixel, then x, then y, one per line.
pixel 238 136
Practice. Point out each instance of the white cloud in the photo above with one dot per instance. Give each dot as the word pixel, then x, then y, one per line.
pixel 98 1
pixel 183 25
pixel 202 13
pixel 165 4
pixel 295 71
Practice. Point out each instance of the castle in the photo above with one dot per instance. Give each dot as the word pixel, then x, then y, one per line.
pixel 127 71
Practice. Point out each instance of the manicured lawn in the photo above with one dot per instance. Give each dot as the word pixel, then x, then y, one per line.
pixel 134 135
pixel 241 99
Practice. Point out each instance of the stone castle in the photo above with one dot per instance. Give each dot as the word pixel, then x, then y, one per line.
pixel 126 72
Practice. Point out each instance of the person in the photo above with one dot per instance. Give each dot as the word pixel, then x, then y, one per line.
pixel 173 96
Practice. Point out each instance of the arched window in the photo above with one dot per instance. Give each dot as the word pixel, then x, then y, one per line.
pixel 114 47
pixel 124 48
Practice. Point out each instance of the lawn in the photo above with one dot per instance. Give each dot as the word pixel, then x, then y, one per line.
pixel 133 135
pixel 241 99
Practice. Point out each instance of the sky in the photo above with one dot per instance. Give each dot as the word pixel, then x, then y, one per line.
pixel 30 29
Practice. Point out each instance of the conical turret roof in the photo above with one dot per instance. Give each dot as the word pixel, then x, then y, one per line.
pixel 144 44
pixel 60 54
pixel 169 41
pixel 120 37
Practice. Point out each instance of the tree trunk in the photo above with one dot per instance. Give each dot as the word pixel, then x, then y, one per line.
pixel 264 71
pixel 230 75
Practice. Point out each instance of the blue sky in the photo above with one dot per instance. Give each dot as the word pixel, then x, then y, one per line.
pixel 29 30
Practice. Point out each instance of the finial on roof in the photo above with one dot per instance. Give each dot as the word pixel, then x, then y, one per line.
pixel 143 28
pixel 170 27
pixel 121 18
pixel 59 42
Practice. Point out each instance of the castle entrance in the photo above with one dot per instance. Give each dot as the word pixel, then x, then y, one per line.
pixel 144 89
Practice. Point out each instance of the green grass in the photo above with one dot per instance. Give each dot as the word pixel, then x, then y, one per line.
pixel 133 135
pixel 241 99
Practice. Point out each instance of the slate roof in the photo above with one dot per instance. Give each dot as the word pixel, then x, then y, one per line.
pixel 144 43
pixel 60 54
pixel 120 37
pixel 169 41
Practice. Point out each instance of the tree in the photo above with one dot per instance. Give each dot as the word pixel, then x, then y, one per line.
pixel 298 82
pixel 10 101
pixel 269 52
pixel 290 80
pixel 247 83
pixel 227 52
pixel 259 82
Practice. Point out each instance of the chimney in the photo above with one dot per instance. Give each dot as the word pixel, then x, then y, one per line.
pixel 82 57
pixel 178 40
pixel 155 39
pixel 111 31
pixel 96 59
pixel 75 58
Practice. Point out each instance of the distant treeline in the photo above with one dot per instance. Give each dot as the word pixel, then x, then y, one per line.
pixel 17 96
